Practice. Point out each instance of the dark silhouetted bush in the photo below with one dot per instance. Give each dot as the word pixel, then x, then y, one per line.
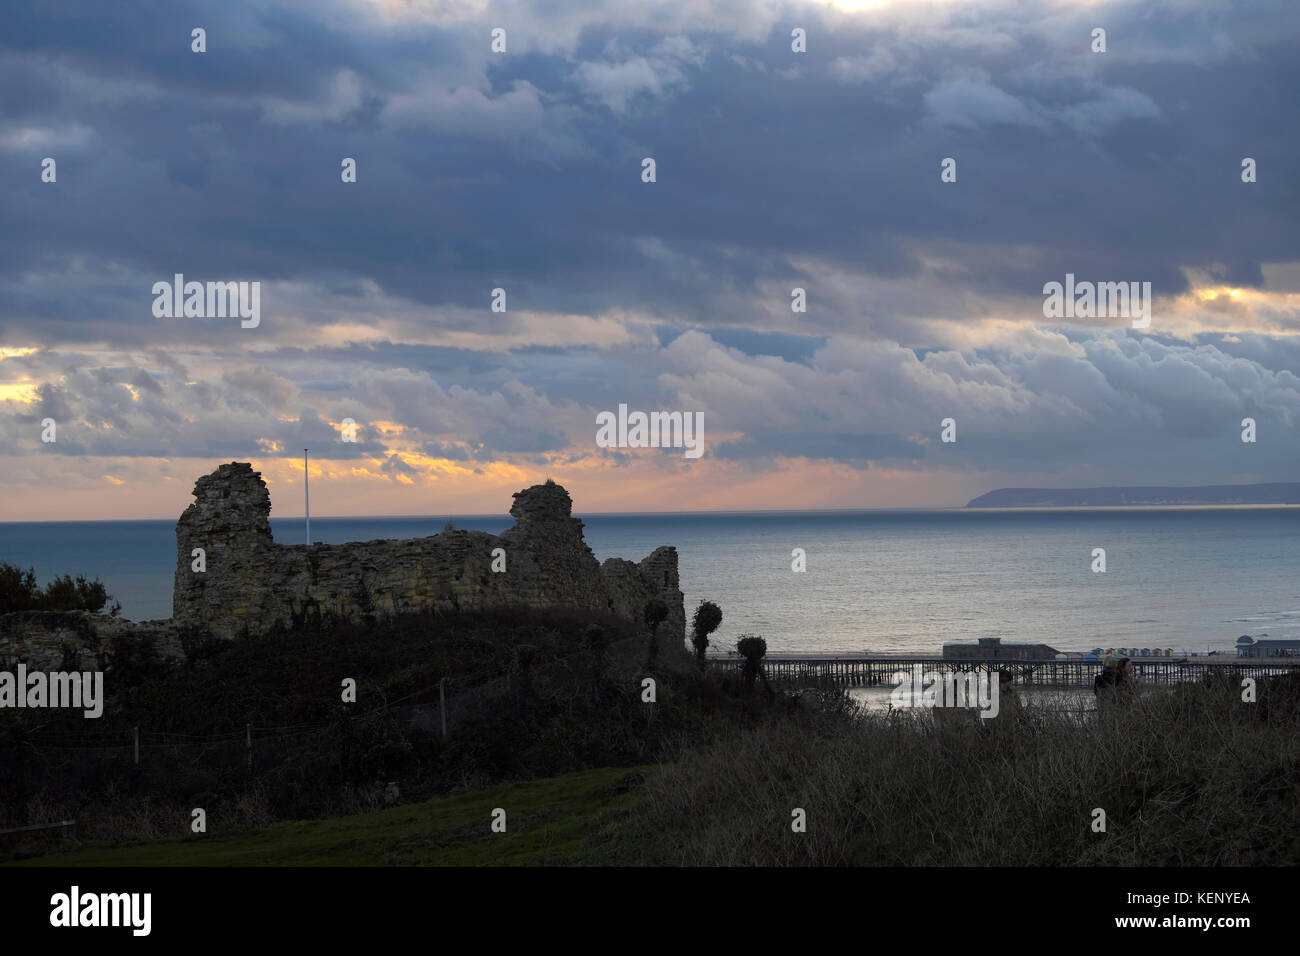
pixel 20 592
pixel 708 616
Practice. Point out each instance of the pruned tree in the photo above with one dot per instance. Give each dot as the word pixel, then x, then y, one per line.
pixel 753 649
pixel 708 616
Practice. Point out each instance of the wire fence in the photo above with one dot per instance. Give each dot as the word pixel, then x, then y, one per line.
pixel 293 760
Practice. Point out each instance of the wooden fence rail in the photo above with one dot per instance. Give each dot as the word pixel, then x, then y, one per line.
pixel 62 824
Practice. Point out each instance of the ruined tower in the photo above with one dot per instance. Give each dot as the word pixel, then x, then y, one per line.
pixel 251 583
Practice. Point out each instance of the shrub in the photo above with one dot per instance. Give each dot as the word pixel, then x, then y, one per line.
pixel 708 616
pixel 753 649
pixel 20 592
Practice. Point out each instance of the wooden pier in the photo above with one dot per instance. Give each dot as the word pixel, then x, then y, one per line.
pixel 867 671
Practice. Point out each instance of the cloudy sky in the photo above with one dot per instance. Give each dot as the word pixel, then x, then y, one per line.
pixel 522 170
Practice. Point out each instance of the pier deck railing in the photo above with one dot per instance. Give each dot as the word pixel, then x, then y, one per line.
pixel 864 671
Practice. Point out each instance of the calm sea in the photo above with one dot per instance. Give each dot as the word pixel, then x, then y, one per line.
pixel 1190 579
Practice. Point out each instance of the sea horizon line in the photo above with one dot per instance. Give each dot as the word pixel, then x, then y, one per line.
pixel 920 509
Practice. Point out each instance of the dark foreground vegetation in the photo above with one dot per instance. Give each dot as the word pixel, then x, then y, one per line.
pixel 554 821
pixel 1195 777
pixel 709 774
pixel 265 729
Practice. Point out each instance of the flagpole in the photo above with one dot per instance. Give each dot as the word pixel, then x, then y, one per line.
pixel 306 493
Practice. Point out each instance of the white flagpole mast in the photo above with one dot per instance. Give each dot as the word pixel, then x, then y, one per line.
pixel 306 493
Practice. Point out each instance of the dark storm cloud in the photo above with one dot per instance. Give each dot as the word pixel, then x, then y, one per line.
pixel 227 162
pixel 774 170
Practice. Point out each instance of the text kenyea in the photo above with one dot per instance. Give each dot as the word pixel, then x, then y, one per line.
pixel 921 688
pixel 653 430
pixel 218 300
pixel 1090 300
pixel 102 909
pixel 55 689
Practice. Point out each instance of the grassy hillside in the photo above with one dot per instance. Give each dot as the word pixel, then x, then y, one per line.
pixel 259 731
pixel 1194 776
pixel 1202 774
pixel 552 822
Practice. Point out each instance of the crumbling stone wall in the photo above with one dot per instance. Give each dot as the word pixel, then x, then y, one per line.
pixel 252 583
pixel 47 640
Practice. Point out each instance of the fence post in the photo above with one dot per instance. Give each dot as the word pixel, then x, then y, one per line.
pixel 442 705
pixel 137 746
pixel 20 768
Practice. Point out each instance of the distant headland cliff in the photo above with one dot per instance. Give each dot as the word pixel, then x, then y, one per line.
pixel 233 580
pixel 1275 493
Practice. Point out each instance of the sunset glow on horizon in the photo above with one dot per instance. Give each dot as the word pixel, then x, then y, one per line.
pixel 455 247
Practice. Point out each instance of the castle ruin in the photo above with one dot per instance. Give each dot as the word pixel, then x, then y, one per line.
pixel 250 584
